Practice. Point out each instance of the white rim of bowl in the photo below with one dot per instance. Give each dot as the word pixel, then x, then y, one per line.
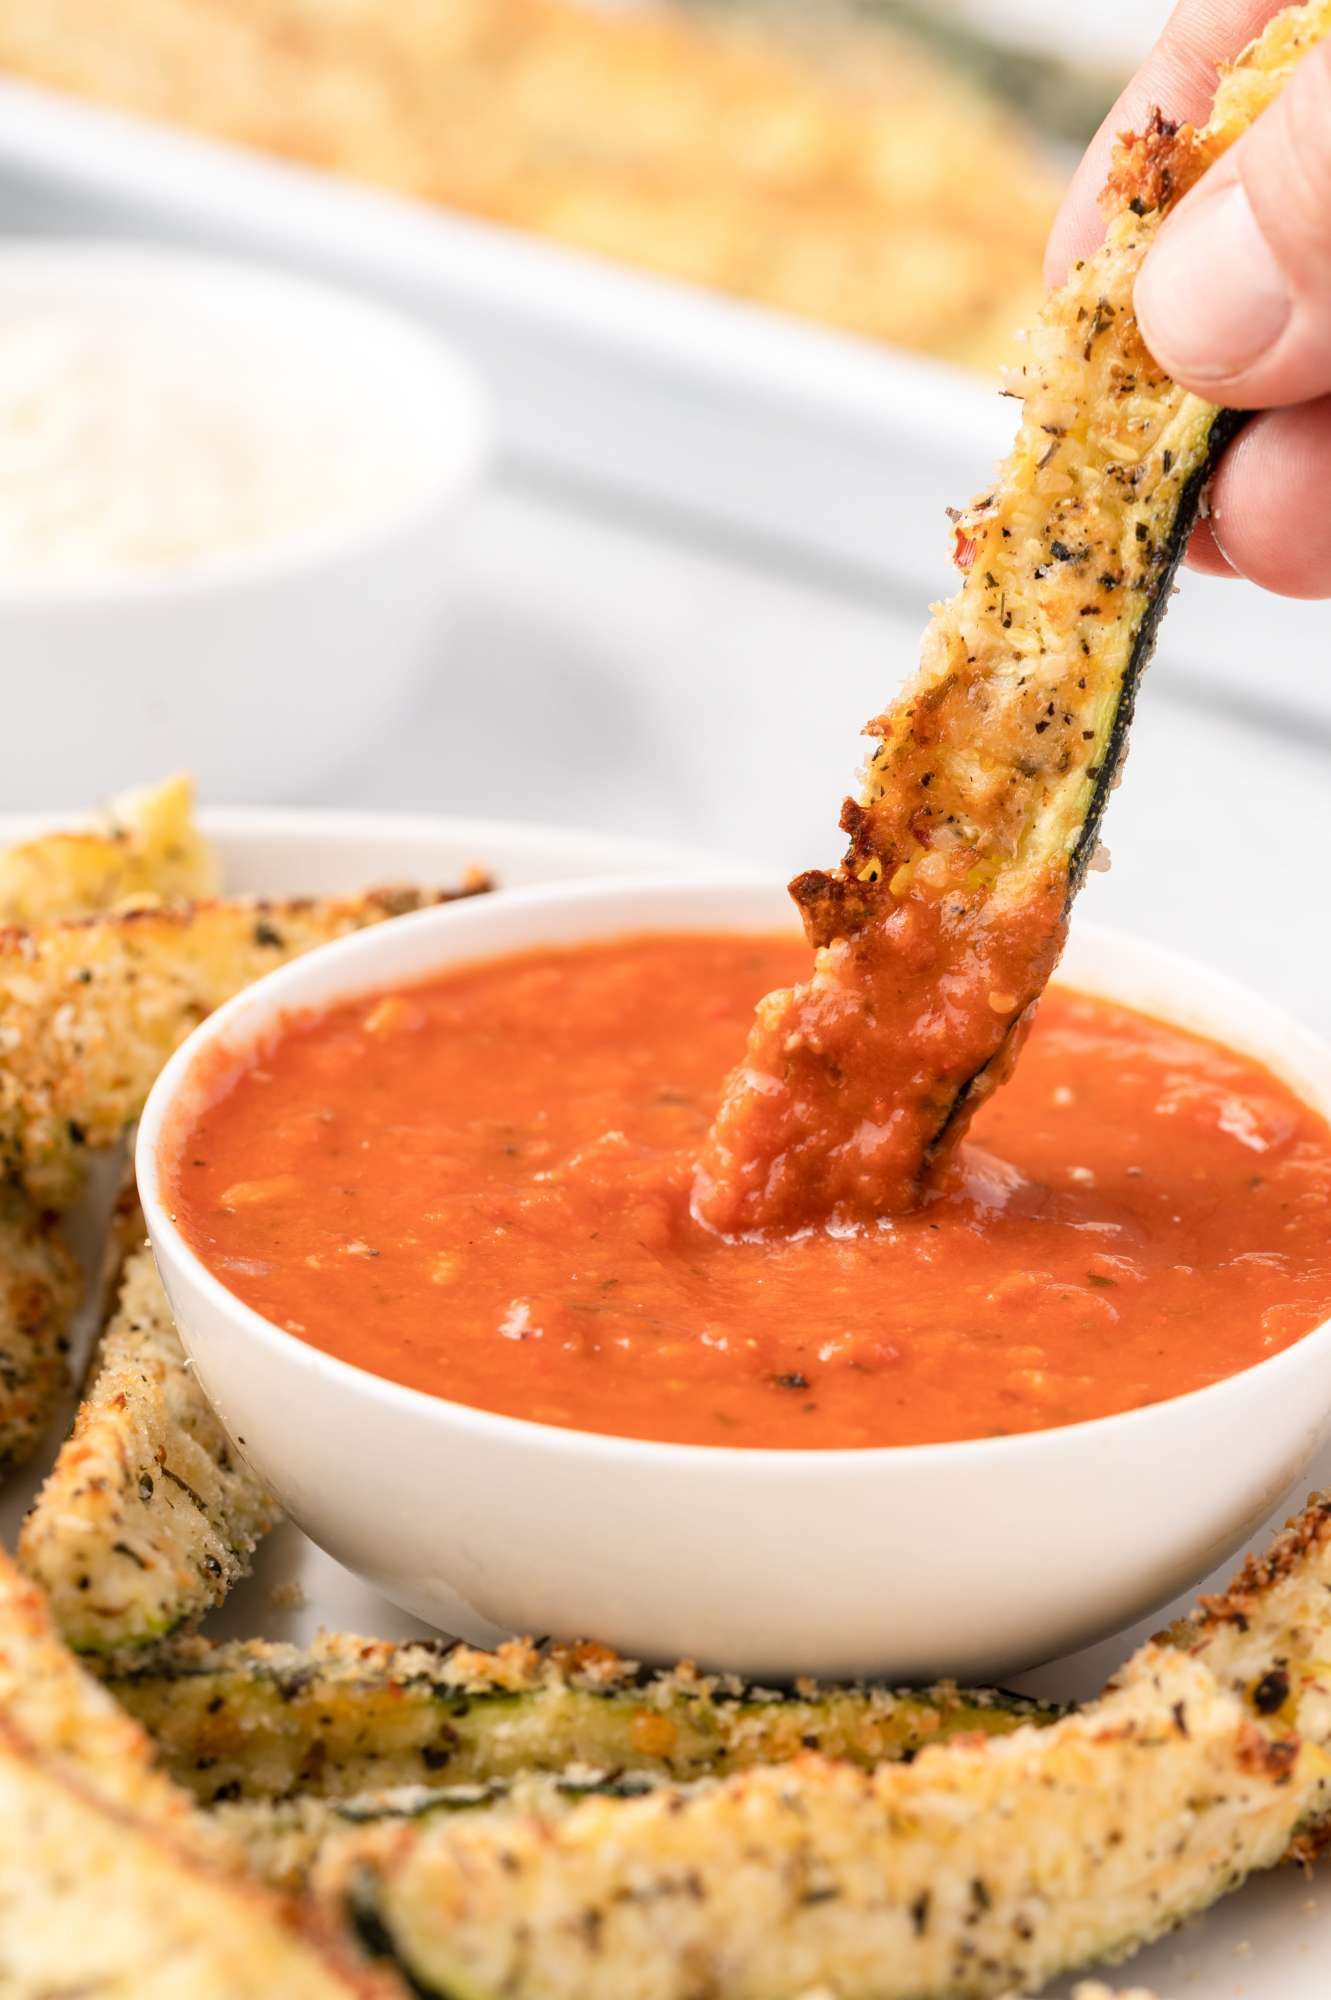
pixel 805 1461
pixel 410 341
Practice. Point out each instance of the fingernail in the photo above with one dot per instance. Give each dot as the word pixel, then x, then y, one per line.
pixel 1211 297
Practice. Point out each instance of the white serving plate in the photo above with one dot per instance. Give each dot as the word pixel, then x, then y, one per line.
pixel 790 439
pixel 1270 1942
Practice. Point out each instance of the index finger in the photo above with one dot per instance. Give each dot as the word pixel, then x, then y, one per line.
pixel 1180 76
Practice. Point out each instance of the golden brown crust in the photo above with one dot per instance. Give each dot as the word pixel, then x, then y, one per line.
pixel 1305 1535
pixel 1154 167
pixel 76 1724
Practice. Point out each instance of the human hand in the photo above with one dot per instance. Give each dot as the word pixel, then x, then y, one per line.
pixel 1235 297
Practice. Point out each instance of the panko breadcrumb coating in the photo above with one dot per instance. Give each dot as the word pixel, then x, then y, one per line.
pixel 110 1883
pixel 148 1516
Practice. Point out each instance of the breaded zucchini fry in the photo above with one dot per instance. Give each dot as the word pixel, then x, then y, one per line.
pixel 145 846
pixel 975 1867
pixel 40 1289
pixel 1268 1640
pixel 258 1721
pixel 109 1883
pixel 148 1517
pixel 982 798
pixel 76 1724
pixel 90 1011
pixel 973 1870
pixel 95 1902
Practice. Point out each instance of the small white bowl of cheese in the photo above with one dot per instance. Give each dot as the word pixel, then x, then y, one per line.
pixel 227 498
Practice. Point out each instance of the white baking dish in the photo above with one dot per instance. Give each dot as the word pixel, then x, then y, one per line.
pixel 801 442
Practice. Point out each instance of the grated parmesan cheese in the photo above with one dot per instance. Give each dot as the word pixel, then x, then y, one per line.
pixel 133 439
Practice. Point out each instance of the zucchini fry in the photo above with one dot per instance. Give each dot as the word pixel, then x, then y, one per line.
pixel 94 1901
pixel 1267 1640
pixel 147 1517
pixel 981 801
pixel 110 1884
pixel 1209 1757
pixel 90 1011
pixel 972 1870
pixel 40 1289
pixel 146 846
pixel 78 1726
pixel 348 1715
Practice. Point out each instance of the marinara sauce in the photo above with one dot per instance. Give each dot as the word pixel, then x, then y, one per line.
pixel 480 1187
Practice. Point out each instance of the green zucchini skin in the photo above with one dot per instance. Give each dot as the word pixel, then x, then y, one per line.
pixel 1225 425
pixel 350 1716
pixel 285 1840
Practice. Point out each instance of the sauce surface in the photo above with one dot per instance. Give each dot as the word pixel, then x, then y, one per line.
pixel 481 1187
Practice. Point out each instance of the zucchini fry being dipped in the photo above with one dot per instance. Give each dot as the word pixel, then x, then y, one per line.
pixel 982 798
pixel 147 1517
pixel 259 1721
pixel 90 1011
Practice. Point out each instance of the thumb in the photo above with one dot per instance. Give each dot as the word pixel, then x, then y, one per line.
pixel 1234 300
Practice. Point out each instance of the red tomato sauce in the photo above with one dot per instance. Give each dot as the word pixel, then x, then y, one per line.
pixel 480 1187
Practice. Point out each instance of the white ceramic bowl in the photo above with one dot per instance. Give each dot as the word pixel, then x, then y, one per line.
pixel 262 667
pixel 970 1558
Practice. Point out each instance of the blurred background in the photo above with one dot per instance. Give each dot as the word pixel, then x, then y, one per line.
pixel 736 280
